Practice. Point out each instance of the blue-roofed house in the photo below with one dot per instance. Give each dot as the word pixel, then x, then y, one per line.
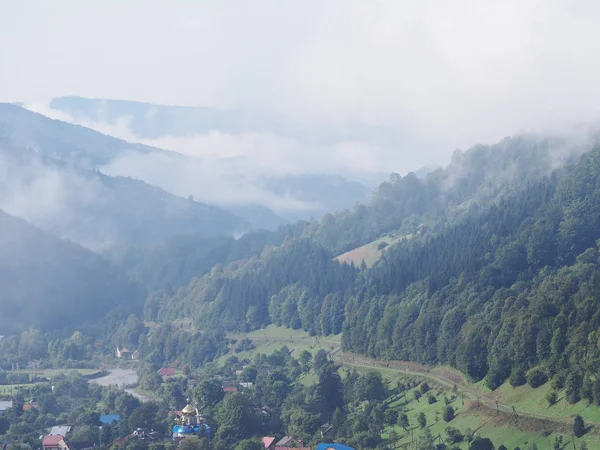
pixel 333 447
pixel 110 418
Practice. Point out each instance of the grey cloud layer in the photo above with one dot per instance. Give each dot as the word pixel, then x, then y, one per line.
pixel 452 73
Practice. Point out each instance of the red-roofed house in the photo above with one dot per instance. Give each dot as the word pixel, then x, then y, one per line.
pixel 29 406
pixel 230 389
pixel 268 442
pixel 166 372
pixel 56 442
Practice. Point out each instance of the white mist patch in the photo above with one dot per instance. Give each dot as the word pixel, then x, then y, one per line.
pixel 231 169
pixel 49 198
pixel 223 182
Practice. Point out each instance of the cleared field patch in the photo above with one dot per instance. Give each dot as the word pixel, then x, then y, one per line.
pixel 272 338
pixel 8 390
pixel 526 398
pixel 371 252
pixel 481 420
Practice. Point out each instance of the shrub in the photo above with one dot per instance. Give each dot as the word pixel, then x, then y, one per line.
pixel 578 426
pixel 454 435
pixel 552 396
pixel 517 377
pixel 536 377
pixel 391 416
pixel 417 395
pixel 480 443
pixel 558 382
pixel 448 414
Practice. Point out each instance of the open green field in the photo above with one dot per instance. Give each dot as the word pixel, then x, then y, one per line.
pixel 10 389
pixel 485 422
pixel 273 332
pixel 533 400
pixel 370 253
pixel 272 338
pixel 49 373
pixel 535 422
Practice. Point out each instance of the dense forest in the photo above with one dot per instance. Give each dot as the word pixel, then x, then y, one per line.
pixel 49 283
pixel 505 284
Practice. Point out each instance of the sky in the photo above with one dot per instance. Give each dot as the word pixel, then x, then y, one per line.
pixel 446 75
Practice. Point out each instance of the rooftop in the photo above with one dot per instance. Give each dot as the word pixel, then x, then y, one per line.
pixel 110 418
pixel 60 430
pixel 267 441
pixel 166 372
pixel 4 405
pixel 52 439
pixel 333 447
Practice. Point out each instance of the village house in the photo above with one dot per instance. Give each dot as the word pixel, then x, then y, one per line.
pixel 56 442
pixel 29 406
pixel 59 430
pixel 326 430
pixel 123 353
pixel 268 442
pixel 4 405
pixel 333 447
pixel 289 442
pixel 166 373
pixel 108 419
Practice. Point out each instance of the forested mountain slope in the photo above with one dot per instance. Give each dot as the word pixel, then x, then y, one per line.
pixel 99 211
pixel 173 263
pixel 472 180
pixel 48 283
pixel 48 176
pixel 515 286
pixel 507 284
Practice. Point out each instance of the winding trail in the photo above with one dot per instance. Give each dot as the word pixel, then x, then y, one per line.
pixel 450 378
pixel 444 376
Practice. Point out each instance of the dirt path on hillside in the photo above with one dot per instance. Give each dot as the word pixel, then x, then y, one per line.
pixel 310 339
pixel 441 375
pixel 450 378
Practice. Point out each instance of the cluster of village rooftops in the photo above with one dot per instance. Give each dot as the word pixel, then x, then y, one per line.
pixel 188 422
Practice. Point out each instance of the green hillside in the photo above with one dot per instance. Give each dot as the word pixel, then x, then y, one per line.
pixel 506 285
pixel 50 178
pixel 43 277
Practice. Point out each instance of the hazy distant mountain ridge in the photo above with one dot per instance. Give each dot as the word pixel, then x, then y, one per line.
pixel 49 178
pixel 49 283
pixel 151 121
pixel 227 168
pixel 61 141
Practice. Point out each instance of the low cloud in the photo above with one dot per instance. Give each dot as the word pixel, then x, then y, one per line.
pixel 231 169
pixel 53 199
